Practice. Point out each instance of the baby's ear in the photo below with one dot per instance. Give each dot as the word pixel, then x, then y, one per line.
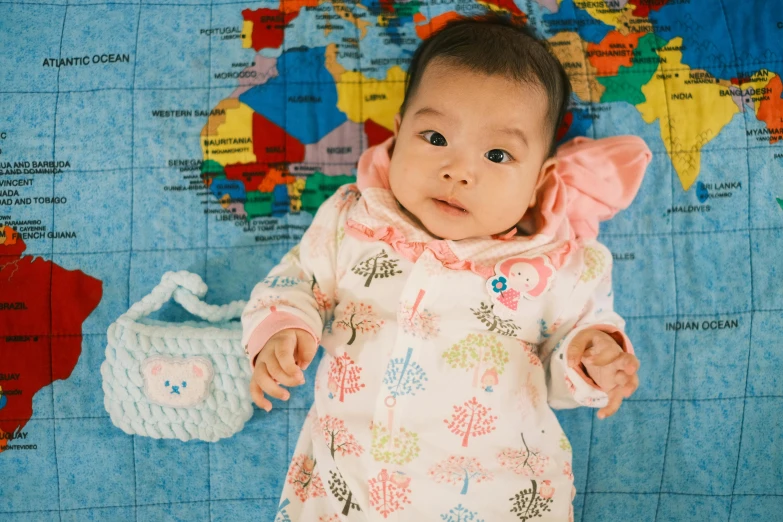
pixel 547 168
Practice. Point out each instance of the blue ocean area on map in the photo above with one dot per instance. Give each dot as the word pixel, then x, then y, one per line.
pixel 568 15
pixel 725 46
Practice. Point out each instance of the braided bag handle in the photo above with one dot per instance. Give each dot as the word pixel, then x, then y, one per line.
pixel 187 289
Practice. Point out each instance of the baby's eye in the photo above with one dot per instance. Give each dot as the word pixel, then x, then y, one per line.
pixel 184 384
pixel 498 156
pixel 166 383
pixel 434 138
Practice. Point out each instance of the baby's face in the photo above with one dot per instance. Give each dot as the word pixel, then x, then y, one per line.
pixel 469 152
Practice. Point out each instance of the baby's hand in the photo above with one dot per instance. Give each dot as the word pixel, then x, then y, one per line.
pixel 605 362
pixel 281 361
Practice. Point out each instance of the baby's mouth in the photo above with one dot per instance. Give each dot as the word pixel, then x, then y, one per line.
pixel 452 204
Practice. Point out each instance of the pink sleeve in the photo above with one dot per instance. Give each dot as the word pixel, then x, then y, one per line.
pixel 274 322
pixel 592 181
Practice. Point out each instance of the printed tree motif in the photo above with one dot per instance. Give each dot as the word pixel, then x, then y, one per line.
pixel 472 419
pixel 404 377
pixel 565 445
pixel 321 299
pixel 529 395
pixel 281 282
pixel 595 263
pixel 418 322
pixel 303 476
pixel 477 351
pixel 340 236
pixel 532 502
pixel 342 492
pixel 359 318
pixel 460 514
pixel 343 377
pixel 459 470
pixel 346 197
pixel 524 462
pixel 338 438
pixel 379 266
pixel 282 514
pixel 486 315
pixel 530 350
pixel 567 471
pixel 389 492
pixel 270 302
pixel 399 449
pixel 543 330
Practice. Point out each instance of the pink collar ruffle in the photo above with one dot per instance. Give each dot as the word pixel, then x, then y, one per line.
pixel 593 180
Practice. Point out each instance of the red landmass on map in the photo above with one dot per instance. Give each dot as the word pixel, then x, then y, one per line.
pixel 615 50
pixel 268 27
pixel 376 133
pixel 387 5
pixel 506 5
pixel 770 110
pixel 42 308
pixel 568 119
pixel 643 7
pixel 294 6
pixel 272 144
pixel 425 30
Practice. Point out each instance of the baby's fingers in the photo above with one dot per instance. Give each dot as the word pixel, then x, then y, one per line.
pixel 284 353
pixel 629 363
pixel 630 387
pixel 268 384
pixel 602 352
pixel 306 348
pixel 258 397
pixel 275 370
pixel 615 400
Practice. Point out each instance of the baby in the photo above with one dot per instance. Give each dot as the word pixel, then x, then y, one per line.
pixel 459 293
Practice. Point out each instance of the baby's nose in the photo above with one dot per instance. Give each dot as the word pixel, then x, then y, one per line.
pixel 461 178
pixel 460 169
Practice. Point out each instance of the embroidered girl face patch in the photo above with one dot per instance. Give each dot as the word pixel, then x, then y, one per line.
pixel 519 277
pixel 176 381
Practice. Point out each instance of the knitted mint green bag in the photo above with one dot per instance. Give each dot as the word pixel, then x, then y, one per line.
pixel 187 380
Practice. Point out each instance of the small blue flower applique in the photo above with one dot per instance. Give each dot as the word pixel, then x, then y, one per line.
pixel 499 284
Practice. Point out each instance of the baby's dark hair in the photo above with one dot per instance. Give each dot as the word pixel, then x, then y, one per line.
pixel 496 45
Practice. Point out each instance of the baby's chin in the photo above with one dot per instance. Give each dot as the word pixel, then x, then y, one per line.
pixel 450 231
